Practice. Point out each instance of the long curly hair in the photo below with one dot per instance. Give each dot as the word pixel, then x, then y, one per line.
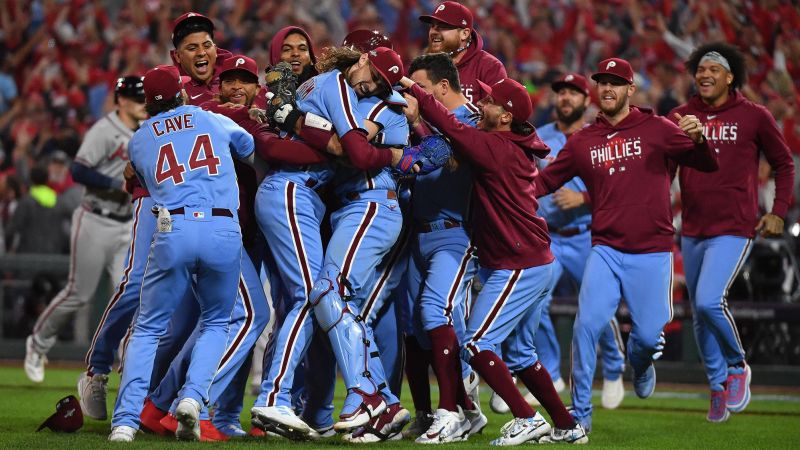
pixel 732 54
pixel 337 58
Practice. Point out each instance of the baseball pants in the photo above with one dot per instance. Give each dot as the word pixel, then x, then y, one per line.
pixel 645 281
pixel 97 243
pixel 711 265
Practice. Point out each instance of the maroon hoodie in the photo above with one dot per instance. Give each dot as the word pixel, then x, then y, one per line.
pixel 477 64
pixel 726 202
pixel 626 168
pixel 508 233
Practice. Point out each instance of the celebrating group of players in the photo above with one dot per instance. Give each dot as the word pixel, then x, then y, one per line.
pixel 371 213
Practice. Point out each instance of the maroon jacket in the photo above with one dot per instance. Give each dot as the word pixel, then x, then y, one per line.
pixel 626 169
pixel 508 233
pixel 478 64
pixel 726 202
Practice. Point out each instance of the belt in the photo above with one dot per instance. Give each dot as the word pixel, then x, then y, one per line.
pixel 439 225
pixel 567 232
pixel 219 212
pixel 353 196
pixel 110 215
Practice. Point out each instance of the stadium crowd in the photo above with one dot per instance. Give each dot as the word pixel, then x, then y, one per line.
pixel 60 60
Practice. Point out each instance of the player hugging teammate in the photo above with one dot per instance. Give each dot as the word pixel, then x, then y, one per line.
pixel 371 201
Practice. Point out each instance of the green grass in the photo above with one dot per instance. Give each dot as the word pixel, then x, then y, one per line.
pixel 660 422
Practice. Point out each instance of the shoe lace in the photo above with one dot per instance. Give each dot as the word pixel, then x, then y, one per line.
pixel 733 385
pixel 98 389
pixel 513 426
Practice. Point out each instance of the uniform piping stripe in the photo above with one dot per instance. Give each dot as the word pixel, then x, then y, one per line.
pixel 617 336
pixel 355 243
pixel 125 342
pixel 123 284
pixel 300 254
pixel 671 284
pixel 724 302
pixel 494 311
pixel 394 257
pixel 456 285
pixel 245 329
pixel 471 107
pixel 348 112
pixel 70 280
pixel 376 110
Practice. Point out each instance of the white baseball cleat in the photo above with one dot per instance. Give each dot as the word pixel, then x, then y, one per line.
pixel 93 392
pixel 575 435
pixel 521 430
pixel 284 420
pixel 122 433
pixel 447 426
pixel 613 393
pixel 188 415
pixel 34 362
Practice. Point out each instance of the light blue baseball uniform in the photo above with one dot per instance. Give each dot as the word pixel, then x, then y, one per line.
pixel 571 253
pixel 184 158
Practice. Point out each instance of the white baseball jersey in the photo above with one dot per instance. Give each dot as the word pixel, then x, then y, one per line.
pixel 105 149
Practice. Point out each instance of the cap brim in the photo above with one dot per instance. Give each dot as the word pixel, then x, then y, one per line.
pixel 185 79
pixel 486 88
pixel 396 98
pixel 240 70
pixel 597 75
pixel 431 19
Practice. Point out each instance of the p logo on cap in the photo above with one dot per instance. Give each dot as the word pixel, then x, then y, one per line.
pixel 611 64
pixel 440 8
pixel 68 417
pixel 239 62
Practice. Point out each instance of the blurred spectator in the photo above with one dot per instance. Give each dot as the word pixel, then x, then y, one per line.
pixel 34 226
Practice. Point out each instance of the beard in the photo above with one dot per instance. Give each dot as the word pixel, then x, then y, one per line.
pixel 572 117
pixel 613 111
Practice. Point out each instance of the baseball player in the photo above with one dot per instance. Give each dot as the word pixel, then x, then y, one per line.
pixel 349 74
pixel 100 226
pixel 452 31
pixel 513 249
pixel 623 158
pixel 443 257
pixel 197 56
pixel 183 156
pixel 568 216
pixel 720 213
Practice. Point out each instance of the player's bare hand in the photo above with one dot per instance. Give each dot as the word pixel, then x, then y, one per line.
pixel 128 172
pixel 334 146
pixel 691 126
pixel 259 115
pixel 770 225
pixel 406 82
pixel 566 198
pixel 411 110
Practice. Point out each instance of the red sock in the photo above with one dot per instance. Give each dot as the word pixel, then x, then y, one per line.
pixel 538 381
pixel 446 362
pixel 417 361
pixel 495 373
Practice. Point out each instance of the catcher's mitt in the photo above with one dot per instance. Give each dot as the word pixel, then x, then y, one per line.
pixel 282 84
pixel 432 153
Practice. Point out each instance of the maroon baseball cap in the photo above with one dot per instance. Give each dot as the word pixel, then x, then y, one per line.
pixel 180 26
pixel 452 13
pixel 68 417
pixel 366 40
pixel 387 63
pixel 512 96
pixel 163 82
pixel 573 80
pixel 240 62
pixel 617 67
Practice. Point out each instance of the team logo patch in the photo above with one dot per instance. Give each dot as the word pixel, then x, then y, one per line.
pixel 199 215
pixel 569 78
pixel 239 62
pixel 440 8
pixel 611 64
pixel 510 105
pixel 394 69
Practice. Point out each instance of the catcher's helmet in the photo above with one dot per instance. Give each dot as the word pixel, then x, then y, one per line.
pixel 131 86
pixel 366 40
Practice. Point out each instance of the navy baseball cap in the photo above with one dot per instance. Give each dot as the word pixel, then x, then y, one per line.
pixel 68 417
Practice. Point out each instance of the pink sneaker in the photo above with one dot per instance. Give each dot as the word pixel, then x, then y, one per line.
pixel 738 388
pixel 718 410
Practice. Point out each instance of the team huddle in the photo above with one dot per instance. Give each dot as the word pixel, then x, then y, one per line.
pixel 348 208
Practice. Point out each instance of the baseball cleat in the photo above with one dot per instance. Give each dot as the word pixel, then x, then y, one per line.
pixel 122 434
pixel 613 393
pixel 359 408
pixel 447 426
pixel 586 422
pixel 421 423
pixel 188 416
pixel 151 417
pixel 718 409
pixel 575 435
pixel 522 429
pixel 476 418
pixel 210 433
pixel 232 430
pixel 92 391
pixel 281 420
pixel 322 433
pixel 386 427
pixel 497 404
pixel 738 388
pixel 644 384
pixel 34 362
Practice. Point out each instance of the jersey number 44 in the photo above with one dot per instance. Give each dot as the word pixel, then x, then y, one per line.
pixel 202 155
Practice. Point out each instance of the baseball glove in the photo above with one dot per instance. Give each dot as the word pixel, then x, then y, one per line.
pixel 432 153
pixel 282 84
